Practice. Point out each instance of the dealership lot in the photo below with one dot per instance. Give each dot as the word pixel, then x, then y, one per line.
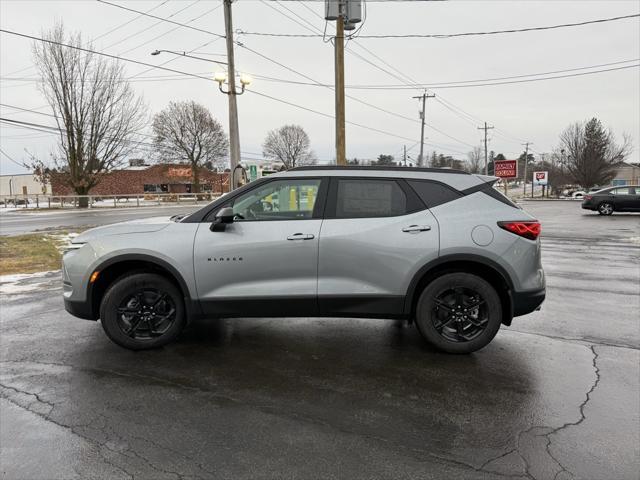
pixel 556 395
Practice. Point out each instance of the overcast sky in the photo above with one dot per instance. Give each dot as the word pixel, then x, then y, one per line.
pixel 530 111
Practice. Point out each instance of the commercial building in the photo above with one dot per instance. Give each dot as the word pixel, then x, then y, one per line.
pixel 627 174
pixel 22 184
pixel 141 179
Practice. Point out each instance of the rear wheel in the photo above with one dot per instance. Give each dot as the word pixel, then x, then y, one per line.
pixel 605 208
pixel 142 311
pixel 459 313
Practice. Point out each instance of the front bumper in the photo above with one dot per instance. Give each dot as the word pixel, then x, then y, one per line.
pixel 588 205
pixel 80 309
pixel 527 302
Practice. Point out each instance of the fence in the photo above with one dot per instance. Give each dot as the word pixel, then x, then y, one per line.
pixel 104 201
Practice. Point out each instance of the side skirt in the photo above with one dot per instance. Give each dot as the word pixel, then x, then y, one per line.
pixel 330 306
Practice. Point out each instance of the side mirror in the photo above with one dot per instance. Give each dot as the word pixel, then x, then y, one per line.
pixel 223 217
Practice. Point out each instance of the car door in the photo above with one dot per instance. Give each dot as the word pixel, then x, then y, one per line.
pixel 635 201
pixel 266 261
pixel 376 235
pixel 623 198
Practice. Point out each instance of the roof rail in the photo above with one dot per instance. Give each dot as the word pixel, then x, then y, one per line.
pixel 378 167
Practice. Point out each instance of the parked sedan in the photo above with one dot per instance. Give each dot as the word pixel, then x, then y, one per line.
pixel 614 199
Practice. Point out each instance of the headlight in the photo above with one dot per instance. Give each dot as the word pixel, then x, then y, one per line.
pixel 70 247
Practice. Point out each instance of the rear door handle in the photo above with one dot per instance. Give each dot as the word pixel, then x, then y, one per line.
pixel 301 236
pixel 416 228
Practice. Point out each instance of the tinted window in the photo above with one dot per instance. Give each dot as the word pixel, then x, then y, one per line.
pixel 432 193
pixel 289 199
pixel 622 191
pixel 361 198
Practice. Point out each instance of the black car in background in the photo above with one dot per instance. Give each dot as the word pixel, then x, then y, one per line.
pixel 614 199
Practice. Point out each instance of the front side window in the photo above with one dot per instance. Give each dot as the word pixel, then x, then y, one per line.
pixel 287 199
pixel 365 198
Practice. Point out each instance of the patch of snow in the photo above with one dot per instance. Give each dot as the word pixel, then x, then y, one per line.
pixel 22 283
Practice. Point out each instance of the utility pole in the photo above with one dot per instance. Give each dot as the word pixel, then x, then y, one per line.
pixel 234 134
pixel 346 13
pixel 405 156
pixel 423 115
pixel 526 160
pixel 338 42
pixel 486 161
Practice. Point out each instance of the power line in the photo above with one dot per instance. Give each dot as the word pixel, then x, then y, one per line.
pixel 453 35
pixel 11 159
pixel 266 57
pixel 204 78
pixel 161 18
pixel 350 96
pixel 135 34
pixel 117 27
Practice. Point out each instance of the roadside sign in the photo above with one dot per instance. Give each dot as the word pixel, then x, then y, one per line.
pixel 505 168
pixel 253 173
pixel 540 178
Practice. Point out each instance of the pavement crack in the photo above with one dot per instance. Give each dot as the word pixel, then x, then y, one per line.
pixel 525 440
pixel 38 399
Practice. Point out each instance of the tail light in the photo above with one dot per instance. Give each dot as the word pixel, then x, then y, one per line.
pixel 530 230
pixel 588 197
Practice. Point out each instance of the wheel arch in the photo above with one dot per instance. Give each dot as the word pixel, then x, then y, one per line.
pixel 468 263
pixel 116 267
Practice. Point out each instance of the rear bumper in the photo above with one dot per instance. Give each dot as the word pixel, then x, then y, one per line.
pixel 527 302
pixel 80 309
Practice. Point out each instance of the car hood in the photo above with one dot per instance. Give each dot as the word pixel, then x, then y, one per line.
pixel 144 225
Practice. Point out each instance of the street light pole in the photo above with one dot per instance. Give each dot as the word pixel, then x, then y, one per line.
pixel 234 134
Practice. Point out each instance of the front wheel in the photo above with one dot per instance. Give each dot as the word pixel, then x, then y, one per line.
pixel 459 313
pixel 605 208
pixel 142 311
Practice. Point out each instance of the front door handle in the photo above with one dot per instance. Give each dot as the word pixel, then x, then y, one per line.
pixel 416 228
pixel 301 236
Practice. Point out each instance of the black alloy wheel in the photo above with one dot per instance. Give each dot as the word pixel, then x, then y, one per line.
pixel 146 314
pixel 142 310
pixel 459 314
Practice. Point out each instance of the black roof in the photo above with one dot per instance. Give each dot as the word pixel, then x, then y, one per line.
pixel 378 167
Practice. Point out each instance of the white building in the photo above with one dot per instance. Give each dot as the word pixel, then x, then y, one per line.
pixel 22 184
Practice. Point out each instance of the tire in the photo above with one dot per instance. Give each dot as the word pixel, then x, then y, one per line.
pixel 456 330
pixel 605 208
pixel 142 311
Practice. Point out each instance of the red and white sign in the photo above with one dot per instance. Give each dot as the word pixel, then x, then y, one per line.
pixel 540 178
pixel 505 168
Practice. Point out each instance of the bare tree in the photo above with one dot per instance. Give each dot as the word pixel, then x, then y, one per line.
pixel 290 145
pixel 474 160
pixel 96 110
pixel 187 130
pixel 592 152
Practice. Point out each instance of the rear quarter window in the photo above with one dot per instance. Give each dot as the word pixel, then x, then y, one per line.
pixel 433 193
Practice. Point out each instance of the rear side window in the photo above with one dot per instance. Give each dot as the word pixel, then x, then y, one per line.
pixel 492 192
pixel 433 193
pixel 363 198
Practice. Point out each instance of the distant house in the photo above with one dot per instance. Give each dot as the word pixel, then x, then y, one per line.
pixel 140 178
pixel 627 174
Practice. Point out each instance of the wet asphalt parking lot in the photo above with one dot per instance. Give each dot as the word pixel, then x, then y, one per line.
pixel 554 396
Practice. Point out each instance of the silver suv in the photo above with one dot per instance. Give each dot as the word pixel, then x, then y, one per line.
pixel 441 248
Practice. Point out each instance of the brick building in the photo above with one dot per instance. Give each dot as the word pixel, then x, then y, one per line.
pixel 162 178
